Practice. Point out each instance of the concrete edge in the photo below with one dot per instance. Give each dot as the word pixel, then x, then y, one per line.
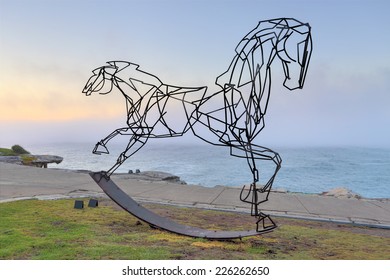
pixel 317 218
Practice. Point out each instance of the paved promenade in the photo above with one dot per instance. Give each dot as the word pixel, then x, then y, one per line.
pixel 22 182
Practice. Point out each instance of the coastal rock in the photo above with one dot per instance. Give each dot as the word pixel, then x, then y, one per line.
pixel 279 190
pixel 341 192
pixel 34 160
pixel 44 160
pixel 11 159
pixel 153 176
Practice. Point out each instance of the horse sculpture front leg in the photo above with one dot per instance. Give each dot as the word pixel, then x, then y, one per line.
pixel 136 142
pixel 100 147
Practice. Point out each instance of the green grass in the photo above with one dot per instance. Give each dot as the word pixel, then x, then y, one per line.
pixel 7 152
pixel 27 159
pixel 16 150
pixel 35 229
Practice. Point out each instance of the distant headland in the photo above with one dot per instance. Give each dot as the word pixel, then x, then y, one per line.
pixel 18 155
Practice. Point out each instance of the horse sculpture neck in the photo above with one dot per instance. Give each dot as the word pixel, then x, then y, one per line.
pixel 250 70
pixel 254 54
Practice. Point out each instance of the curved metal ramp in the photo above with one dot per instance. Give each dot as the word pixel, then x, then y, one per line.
pixel 157 221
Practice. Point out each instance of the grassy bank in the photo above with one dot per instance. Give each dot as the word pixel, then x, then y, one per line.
pixel 35 229
pixel 15 150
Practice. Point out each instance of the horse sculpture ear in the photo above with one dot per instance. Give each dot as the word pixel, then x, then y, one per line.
pixel 119 65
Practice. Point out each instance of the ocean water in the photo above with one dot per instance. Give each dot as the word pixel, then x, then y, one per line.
pixel 365 171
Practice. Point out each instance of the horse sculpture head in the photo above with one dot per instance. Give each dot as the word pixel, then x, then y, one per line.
pixel 287 39
pixel 294 49
pixel 103 78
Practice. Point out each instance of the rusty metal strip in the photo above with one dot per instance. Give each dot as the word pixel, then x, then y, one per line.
pixel 157 221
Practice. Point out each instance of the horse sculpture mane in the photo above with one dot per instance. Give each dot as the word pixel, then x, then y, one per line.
pixel 234 114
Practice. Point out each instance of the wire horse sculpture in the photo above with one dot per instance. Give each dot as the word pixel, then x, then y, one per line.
pixel 234 114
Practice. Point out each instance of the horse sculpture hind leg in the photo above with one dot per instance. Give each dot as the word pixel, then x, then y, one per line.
pixel 257 194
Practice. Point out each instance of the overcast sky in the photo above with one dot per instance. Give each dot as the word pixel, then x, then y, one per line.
pixel 49 48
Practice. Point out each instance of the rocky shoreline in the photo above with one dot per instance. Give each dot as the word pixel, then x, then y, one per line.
pixel 32 160
pixel 153 176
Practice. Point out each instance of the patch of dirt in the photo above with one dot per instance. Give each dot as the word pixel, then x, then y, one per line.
pixel 221 220
pixel 335 226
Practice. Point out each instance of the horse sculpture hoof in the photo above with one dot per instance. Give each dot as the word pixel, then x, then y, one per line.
pixel 265 223
pixel 100 149
pixel 101 175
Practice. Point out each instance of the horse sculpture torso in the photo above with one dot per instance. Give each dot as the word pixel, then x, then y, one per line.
pixel 234 115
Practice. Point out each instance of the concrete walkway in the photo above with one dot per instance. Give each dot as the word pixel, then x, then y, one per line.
pixel 22 182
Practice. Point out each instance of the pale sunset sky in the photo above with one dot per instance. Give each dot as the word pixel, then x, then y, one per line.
pixel 48 49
